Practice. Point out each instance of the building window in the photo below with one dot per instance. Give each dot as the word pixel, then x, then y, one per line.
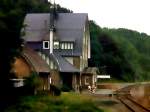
pixel 66 45
pixel 45 44
pixel 62 46
pixel 87 80
pixel 56 45
pixel 40 54
pixel 51 65
pixel 47 60
pixel 71 46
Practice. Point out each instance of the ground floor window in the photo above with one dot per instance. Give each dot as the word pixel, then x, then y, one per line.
pixel 87 80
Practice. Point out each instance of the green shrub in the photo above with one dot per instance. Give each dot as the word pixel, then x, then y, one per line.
pixel 32 82
pixel 68 102
pixel 65 88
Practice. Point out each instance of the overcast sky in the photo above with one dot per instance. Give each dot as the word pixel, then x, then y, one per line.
pixel 131 14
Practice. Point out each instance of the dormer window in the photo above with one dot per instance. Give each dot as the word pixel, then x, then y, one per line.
pixel 71 45
pixel 45 44
pixel 62 45
pixel 67 45
pixel 56 45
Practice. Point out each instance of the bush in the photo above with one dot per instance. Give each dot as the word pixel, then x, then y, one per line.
pixel 67 102
pixel 65 88
pixel 32 83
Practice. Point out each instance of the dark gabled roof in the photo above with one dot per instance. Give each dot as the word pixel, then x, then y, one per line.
pixel 69 27
pixel 41 66
pixel 64 65
pixel 35 60
pixel 36 26
pixel 71 20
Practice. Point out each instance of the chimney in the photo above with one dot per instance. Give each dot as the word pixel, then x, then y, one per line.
pixel 53 17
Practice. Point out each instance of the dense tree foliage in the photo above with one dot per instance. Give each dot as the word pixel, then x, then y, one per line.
pixel 11 17
pixel 122 53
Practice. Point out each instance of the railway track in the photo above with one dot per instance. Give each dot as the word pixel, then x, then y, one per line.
pixel 125 98
pixel 132 105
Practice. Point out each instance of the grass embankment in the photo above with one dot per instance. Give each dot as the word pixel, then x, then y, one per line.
pixel 67 102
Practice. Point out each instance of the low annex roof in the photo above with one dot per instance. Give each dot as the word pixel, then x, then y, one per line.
pixel 35 60
pixel 64 65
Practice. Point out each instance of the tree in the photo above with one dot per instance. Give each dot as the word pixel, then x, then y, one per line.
pixel 122 53
pixel 10 20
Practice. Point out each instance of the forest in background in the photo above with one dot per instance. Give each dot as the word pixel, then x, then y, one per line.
pixel 122 53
